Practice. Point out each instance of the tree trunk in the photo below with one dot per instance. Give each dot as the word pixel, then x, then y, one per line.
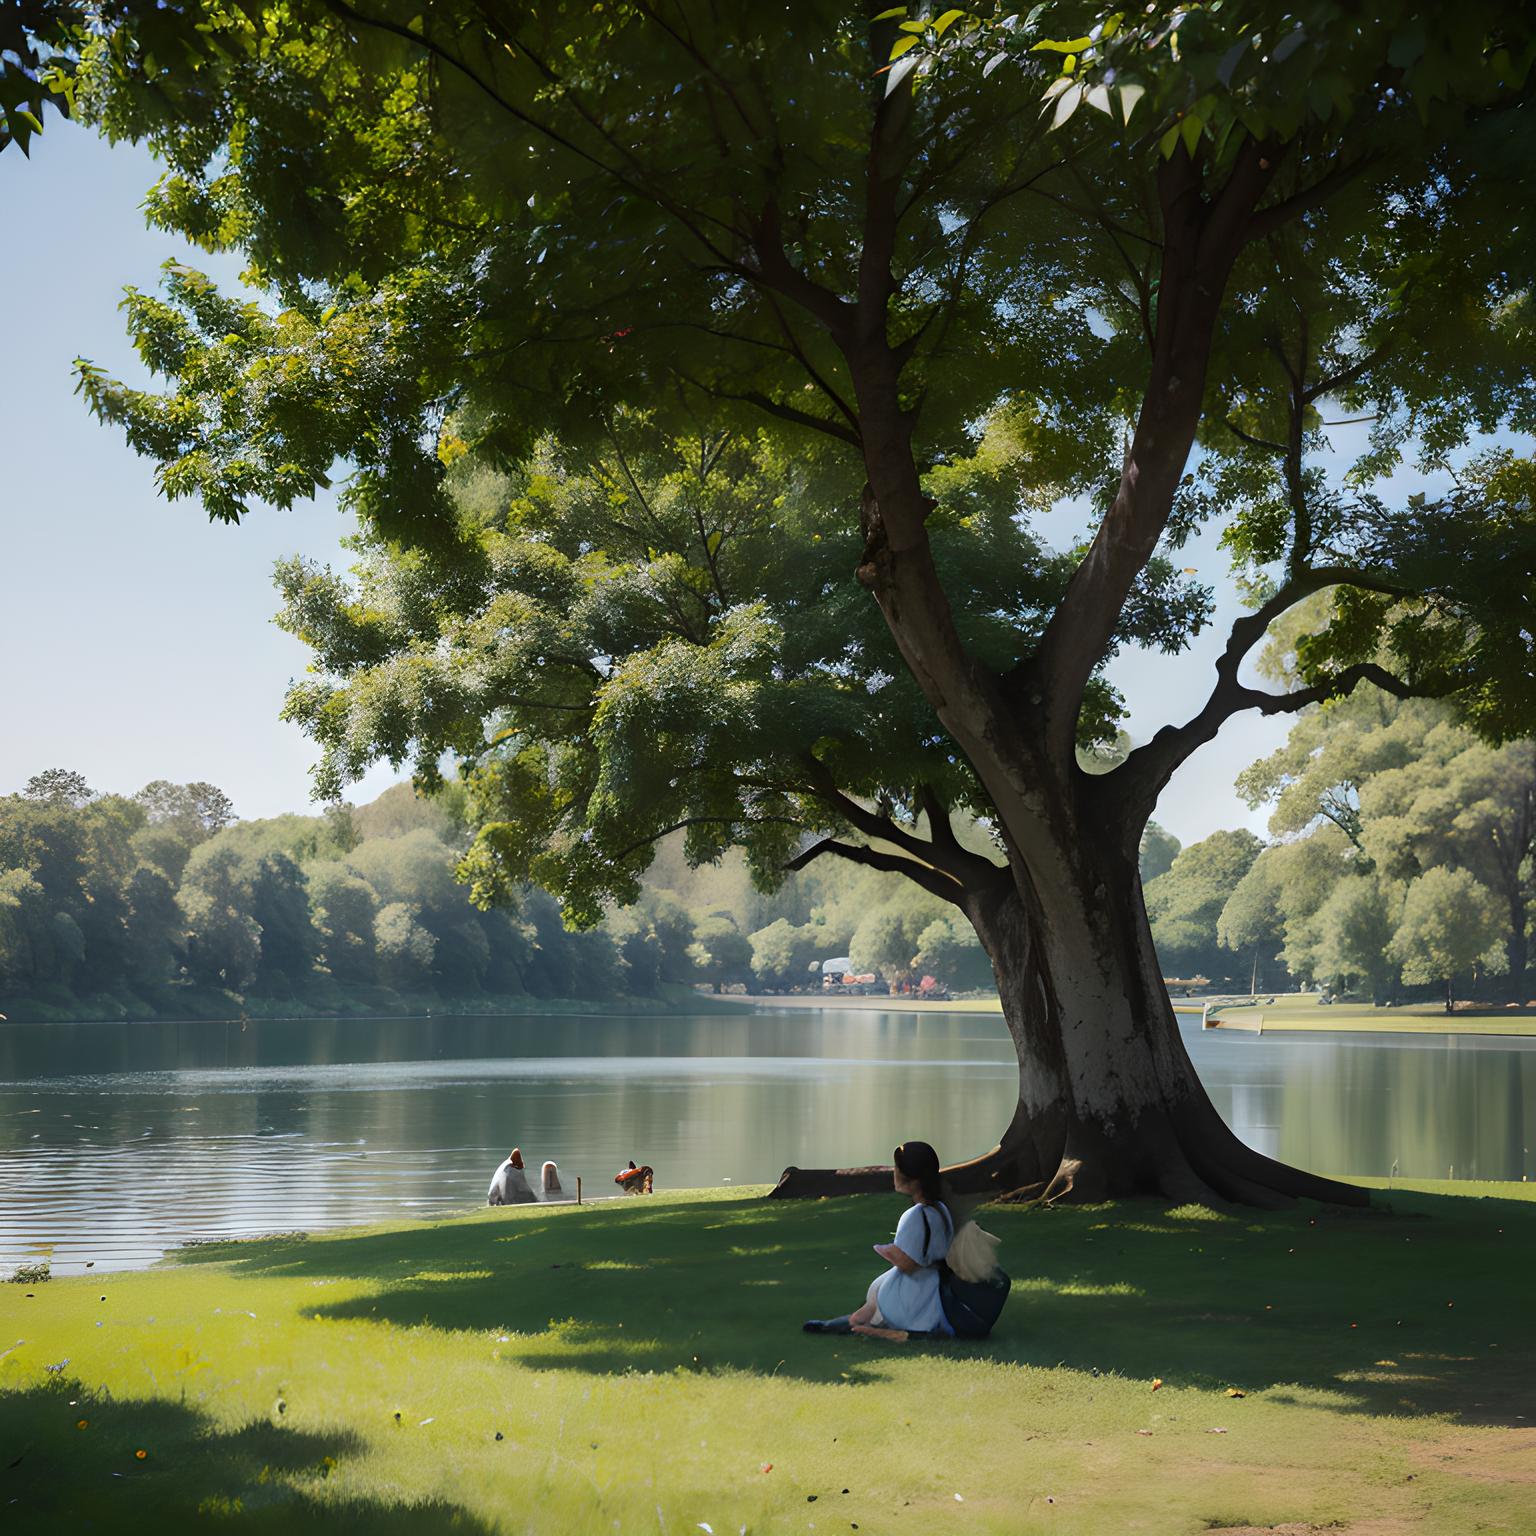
pixel 1109 1103
pixel 1519 956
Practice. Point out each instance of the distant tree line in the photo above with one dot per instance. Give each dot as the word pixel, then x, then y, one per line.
pixel 163 903
pixel 1401 866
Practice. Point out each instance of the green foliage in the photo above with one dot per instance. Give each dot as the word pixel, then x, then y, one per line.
pixel 1413 791
pixel 224 944
pixel 1450 926
pixel 153 936
pixel 37 38
pixel 785 956
pixel 1201 79
pixel 405 948
pixel 949 951
pixel 721 952
pixel 1159 847
pixel 1355 930
pixel 139 903
pixel 194 811
pixel 345 906
pixel 882 943
pixel 59 786
pixel 1184 904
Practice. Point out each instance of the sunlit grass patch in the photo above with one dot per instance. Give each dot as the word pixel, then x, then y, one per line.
pixel 1197 1213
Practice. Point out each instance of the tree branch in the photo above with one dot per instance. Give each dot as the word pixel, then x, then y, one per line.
pixel 1250 439
pixel 1347 376
pixel 944 852
pixel 1201 241
pixel 931 880
pixel 1265 221
pixel 813 373
pixel 775 270
pixel 775 408
pixel 1146 770
pixel 700 821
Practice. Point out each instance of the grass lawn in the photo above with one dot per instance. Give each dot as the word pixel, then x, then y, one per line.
pixel 1301 1013
pixel 638 1367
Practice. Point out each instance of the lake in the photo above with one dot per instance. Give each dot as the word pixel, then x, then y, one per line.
pixel 119 1141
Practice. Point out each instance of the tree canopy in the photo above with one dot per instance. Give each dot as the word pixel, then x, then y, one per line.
pixel 470 251
pixel 654 338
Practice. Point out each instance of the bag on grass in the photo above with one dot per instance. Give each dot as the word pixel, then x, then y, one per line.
pixel 972 1304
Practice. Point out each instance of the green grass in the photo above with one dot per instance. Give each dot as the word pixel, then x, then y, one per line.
pixel 1300 1012
pixel 643 1366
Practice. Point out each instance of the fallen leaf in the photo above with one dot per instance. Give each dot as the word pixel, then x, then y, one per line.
pixel 1157 1381
pixel 1234 1392
pixel 1143 1431
pixel 1215 1431
pixel 767 1466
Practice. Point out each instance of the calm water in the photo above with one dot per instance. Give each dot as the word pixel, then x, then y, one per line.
pixel 120 1141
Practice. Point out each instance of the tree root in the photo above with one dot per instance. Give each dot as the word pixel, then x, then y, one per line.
pixel 825 1183
pixel 1197 1164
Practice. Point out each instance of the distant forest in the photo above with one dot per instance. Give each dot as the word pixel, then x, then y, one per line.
pixel 163 904
pixel 1400 867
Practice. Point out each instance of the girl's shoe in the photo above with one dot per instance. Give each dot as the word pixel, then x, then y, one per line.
pixel 827 1325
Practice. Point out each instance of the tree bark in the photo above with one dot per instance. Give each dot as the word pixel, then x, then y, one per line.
pixel 1109 1103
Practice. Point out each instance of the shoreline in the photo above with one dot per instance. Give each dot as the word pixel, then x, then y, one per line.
pixel 682 1005
pixel 1340 1019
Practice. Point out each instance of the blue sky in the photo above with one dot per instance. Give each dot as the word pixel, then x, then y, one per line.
pixel 141 642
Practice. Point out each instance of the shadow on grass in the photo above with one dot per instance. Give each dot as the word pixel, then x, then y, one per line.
pixel 70 1460
pixel 1420 1306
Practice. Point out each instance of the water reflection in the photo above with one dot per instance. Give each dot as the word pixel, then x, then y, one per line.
pixel 117 1141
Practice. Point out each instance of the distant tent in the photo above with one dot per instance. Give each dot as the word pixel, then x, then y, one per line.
pixel 836 967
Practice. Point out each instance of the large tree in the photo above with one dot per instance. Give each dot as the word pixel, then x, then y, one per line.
pixel 760 274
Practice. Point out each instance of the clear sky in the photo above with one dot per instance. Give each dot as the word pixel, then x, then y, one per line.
pixel 141 643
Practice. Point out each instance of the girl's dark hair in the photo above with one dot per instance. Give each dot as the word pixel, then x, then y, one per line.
pixel 917 1160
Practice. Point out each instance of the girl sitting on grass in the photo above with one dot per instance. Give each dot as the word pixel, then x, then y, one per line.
pixel 904 1302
